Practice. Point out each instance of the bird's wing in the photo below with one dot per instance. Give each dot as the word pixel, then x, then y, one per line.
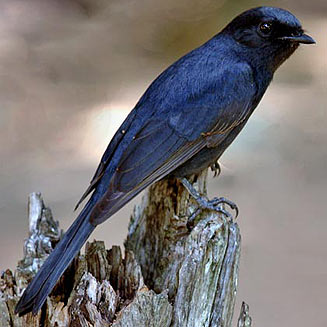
pixel 168 139
pixel 108 155
pixel 149 158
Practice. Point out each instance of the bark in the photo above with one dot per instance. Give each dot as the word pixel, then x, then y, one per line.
pixel 167 276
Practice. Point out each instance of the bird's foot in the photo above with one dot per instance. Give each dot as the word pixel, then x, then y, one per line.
pixel 216 204
pixel 216 169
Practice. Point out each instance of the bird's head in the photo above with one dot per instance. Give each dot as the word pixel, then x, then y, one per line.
pixel 272 34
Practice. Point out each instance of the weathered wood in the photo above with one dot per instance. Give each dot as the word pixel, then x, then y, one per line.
pixel 244 319
pixel 168 275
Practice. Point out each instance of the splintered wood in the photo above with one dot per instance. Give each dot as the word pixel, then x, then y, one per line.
pixel 168 276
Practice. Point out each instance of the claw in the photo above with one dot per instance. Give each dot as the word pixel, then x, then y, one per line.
pixel 191 219
pixel 214 205
pixel 216 169
pixel 204 203
pixel 232 205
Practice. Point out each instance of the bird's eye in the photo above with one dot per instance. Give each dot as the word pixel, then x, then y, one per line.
pixel 265 29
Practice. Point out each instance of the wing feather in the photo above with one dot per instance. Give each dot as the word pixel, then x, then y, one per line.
pixel 115 198
pixel 108 155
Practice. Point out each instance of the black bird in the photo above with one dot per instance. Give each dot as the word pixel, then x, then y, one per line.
pixel 181 125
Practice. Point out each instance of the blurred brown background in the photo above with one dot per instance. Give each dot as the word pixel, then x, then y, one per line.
pixel 72 70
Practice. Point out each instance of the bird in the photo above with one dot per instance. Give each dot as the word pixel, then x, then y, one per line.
pixel 182 124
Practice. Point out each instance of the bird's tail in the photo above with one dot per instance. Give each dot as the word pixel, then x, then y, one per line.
pixel 44 281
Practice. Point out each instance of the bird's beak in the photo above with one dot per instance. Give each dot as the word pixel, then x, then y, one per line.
pixel 303 38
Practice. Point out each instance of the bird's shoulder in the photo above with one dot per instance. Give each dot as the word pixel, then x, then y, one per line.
pixel 208 70
pixel 219 92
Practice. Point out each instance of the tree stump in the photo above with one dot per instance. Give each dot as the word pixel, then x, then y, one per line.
pixel 168 276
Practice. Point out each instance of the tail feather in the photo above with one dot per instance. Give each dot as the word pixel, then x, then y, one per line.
pixel 44 281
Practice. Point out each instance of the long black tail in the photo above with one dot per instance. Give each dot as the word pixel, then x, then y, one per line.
pixel 55 265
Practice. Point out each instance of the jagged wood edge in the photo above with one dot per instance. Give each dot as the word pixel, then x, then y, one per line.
pixel 180 297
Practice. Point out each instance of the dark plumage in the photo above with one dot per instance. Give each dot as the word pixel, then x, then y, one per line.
pixel 181 125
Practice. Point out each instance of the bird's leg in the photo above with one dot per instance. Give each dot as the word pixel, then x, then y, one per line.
pixel 204 203
pixel 216 169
